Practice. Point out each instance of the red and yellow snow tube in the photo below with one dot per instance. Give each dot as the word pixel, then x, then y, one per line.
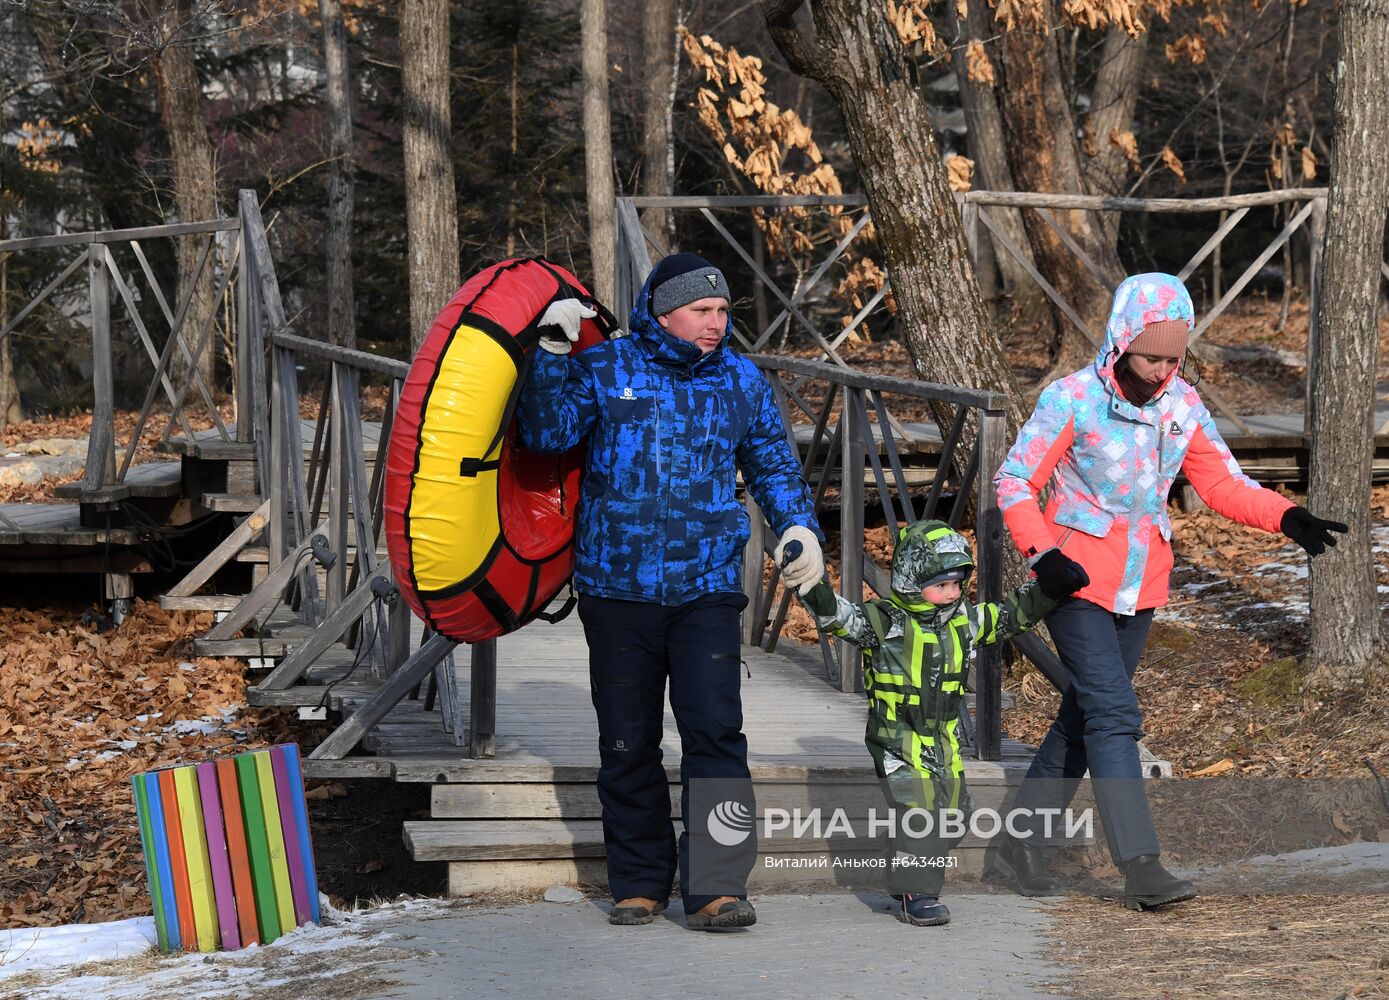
pixel 480 531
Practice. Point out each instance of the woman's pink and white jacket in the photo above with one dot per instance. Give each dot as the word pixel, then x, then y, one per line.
pixel 1111 464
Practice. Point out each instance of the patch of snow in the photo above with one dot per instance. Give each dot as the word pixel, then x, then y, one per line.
pixel 48 953
pixel 1196 588
pixel 26 949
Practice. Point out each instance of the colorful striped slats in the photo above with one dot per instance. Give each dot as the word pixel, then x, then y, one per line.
pixel 227 850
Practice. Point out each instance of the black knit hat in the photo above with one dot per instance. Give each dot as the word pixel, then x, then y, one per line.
pixel 683 278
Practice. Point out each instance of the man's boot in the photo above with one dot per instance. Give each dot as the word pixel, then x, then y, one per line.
pixel 1024 863
pixel 1148 885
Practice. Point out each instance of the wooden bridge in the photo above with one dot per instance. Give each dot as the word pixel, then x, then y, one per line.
pixel 503 730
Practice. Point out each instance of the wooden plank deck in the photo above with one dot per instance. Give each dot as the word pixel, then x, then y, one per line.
pixel 795 722
pixel 56 524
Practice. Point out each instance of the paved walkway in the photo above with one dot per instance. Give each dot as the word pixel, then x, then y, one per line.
pixel 821 946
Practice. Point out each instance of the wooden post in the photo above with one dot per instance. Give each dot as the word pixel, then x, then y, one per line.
pixel 482 707
pixel 101 446
pixel 969 213
pixel 754 561
pixel 988 681
pixel 399 621
pixel 1316 236
pixel 241 387
pixel 279 467
pixel 383 699
pixel 850 529
pixel 338 487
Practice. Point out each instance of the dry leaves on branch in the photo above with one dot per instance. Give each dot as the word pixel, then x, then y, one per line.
pixel 1127 144
pixel 979 68
pixel 774 149
pixel 1309 164
pixel 959 171
pixel 1172 163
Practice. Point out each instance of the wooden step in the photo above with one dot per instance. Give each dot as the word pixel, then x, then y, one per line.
pixel 149 481
pixel 234 503
pixel 260 554
pixel 201 602
pixel 273 647
pixel 530 855
pixel 579 800
pixel 567 839
pixel 208 445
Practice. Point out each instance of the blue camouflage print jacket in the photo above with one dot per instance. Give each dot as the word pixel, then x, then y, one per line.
pixel 667 427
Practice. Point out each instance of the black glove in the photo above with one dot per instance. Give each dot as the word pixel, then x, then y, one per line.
pixel 1310 531
pixel 1059 576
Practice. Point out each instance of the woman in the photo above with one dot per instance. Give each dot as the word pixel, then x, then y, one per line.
pixel 1110 439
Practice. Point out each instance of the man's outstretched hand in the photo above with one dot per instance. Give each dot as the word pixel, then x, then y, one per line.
pixel 804 570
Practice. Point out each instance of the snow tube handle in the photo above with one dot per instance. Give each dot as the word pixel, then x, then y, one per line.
pixel 564 610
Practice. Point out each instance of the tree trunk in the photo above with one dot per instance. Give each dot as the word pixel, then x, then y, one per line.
pixel 513 167
pixel 195 184
pixel 661 52
pixel 856 56
pixel 598 154
pixel 342 321
pixel 1041 139
pixel 10 410
pixel 1112 104
pixel 1346 626
pixel 431 217
pixel 989 152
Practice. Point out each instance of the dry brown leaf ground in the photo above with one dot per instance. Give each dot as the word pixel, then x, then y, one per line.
pixel 1224 948
pixel 82 712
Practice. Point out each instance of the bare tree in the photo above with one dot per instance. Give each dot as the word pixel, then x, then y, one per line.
pixel 10 410
pixel 1346 629
pixel 856 55
pixel 170 25
pixel 1041 133
pixel 987 147
pixel 1112 103
pixel 431 216
pixel 661 53
pixel 342 321
pixel 598 148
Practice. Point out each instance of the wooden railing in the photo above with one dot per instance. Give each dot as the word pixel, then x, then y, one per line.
pixel 854 437
pixel 105 276
pixel 636 245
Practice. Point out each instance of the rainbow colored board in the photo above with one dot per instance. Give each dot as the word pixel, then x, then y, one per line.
pixel 228 852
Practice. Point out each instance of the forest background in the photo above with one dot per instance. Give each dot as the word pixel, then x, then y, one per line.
pixel 1211 98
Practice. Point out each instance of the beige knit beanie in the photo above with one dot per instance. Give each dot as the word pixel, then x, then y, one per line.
pixel 1166 339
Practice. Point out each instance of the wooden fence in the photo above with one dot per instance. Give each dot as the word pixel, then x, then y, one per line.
pixel 182 385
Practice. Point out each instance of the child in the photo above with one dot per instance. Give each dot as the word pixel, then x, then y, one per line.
pixel 916 650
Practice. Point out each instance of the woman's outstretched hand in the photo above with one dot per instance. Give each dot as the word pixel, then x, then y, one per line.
pixel 1310 531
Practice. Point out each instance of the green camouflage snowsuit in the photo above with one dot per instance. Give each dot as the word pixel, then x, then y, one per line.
pixel 915 658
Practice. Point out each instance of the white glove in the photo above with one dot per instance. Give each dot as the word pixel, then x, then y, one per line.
pixel 563 319
pixel 805 570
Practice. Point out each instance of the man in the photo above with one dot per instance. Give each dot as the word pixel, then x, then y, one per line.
pixel 670 414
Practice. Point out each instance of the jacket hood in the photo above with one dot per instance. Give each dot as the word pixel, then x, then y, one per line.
pixel 926 549
pixel 1139 300
pixel 665 348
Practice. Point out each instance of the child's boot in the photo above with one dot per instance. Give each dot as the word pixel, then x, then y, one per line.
pixel 924 911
